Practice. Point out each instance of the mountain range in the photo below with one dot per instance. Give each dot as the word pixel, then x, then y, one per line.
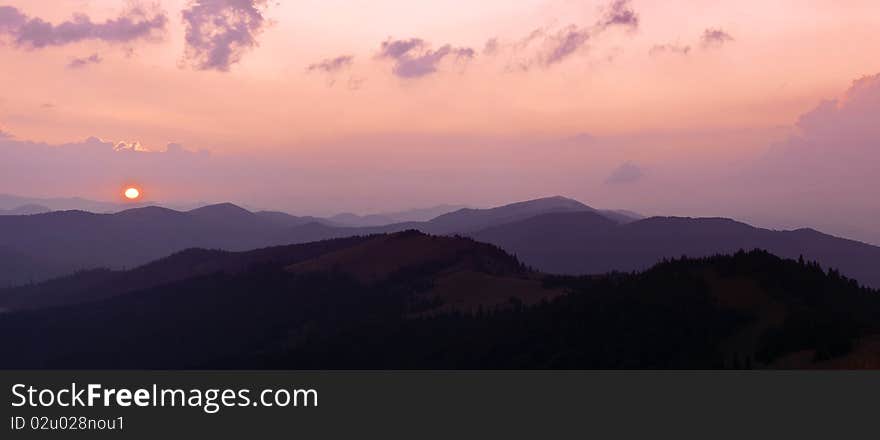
pixel 411 300
pixel 554 235
pixel 29 209
pixel 412 215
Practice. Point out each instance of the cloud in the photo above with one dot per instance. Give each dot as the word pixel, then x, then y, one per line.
pixel 715 38
pixel 78 63
pixel 11 19
pixel 564 43
pixel 851 122
pixel 660 49
pixel 620 13
pixel 400 48
pixel 94 166
pixel 625 173
pixel 426 63
pixel 219 32
pixel 332 65
pixel 491 47
pixel 547 47
pixel 828 169
pixel 127 146
pixel 36 33
pixel 413 58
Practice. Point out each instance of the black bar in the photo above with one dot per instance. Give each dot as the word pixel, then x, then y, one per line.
pixel 480 404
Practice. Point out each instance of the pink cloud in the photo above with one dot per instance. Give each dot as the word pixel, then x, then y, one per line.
pixel 413 58
pixel 219 32
pixel 34 32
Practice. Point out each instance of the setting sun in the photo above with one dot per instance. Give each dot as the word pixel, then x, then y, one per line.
pixel 132 193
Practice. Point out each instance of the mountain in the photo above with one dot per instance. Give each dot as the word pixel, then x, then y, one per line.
pixel 554 234
pixel 8 201
pixel 388 218
pixel 747 310
pixel 29 209
pixel 421 214
pixel 622 215
pixel 18 268
pixel 286 220
pixel 583 242
pixel 349 219
pixel 197 307
pixel 99 284
pixel 78 240
pixel 472 220
pixel 409 300
pixel 464 220
pixel 461 222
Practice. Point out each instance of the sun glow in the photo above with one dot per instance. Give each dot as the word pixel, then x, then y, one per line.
pixel 132 193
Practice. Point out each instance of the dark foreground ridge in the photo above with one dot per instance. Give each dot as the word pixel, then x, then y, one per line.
pixel 410 300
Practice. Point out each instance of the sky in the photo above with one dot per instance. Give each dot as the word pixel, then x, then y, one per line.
pixel 762 111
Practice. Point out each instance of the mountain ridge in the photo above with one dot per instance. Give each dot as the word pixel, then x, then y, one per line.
pixel 582 239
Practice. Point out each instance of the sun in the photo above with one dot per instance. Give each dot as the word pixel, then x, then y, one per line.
pixel 132 193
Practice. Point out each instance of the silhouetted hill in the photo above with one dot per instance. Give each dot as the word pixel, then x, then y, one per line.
pixel 748 310
pixel 198 306
pixel 410 249
pixel 101 284
pixel 18 268
pixel 581 243
pixel 408 300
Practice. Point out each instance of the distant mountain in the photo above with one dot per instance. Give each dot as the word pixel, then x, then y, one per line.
pixel 583 242
pixel 8 201
pixel 421 214
pixel 622 215
pixel 409 300
pixel 389 218
pixel 286 220
pixel 77 240
pixel 25 210
pixel 554 234
pixel 349 219
pixel 461 222
pixel 472 220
